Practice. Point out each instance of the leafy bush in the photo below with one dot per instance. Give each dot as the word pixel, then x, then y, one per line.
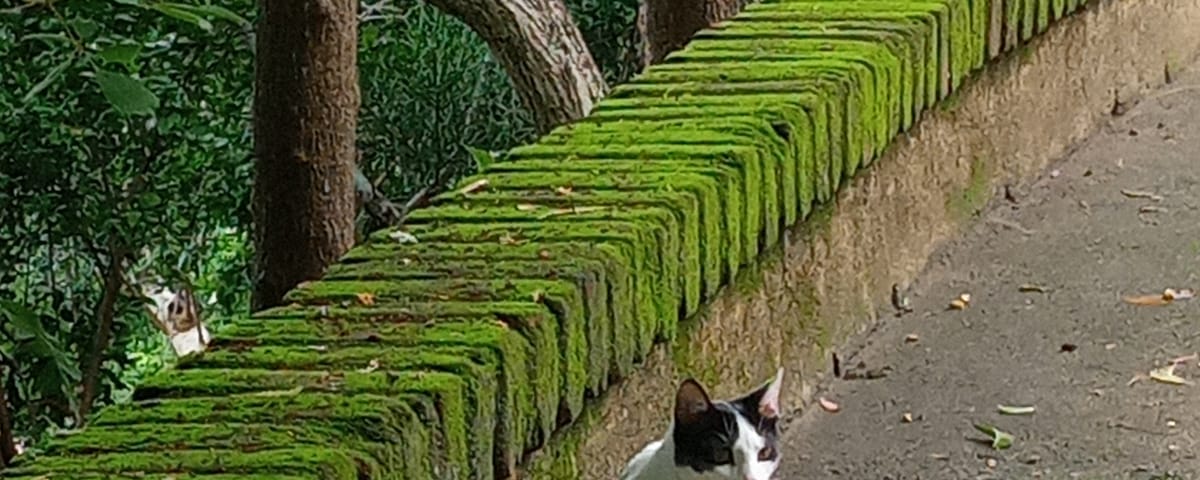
pixel 125 137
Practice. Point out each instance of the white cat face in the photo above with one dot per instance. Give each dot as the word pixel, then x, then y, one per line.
pixel 753 459
pixel 727 440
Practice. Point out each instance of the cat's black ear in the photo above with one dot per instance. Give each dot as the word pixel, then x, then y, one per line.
pixel 691 403
pixel 765 399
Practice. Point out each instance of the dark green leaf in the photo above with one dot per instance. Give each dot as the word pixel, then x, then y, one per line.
pixel 24 321
pixel 125 93
pixel 85 28
pixel 123 54
pixel 182 12
pixel 151 199
pixel 136 3
pixel 483 158
pixel 48 38
pixel 50 78
pixel 217 11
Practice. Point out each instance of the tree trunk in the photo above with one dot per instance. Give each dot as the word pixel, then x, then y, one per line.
pixel 668 25
pixel 538 44
pixel 95 358
pixel 305 113
pixel 8 445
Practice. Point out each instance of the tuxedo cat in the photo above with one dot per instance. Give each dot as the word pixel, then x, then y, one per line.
pixel 715 440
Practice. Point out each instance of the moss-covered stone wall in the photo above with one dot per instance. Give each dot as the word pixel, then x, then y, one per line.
pixel 452 350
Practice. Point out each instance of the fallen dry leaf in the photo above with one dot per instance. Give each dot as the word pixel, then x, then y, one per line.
pixel 564 191
pixel 1136 378
pixel 366 298
pixel 1142 194
pixel 906 418
pixel 958 304
pixel 1152 209
pixel 291 392
pixel 911 338
pixel 991 463
pixel 966 297
pixel 1013 410
pixel 1185 359
pixel 538 296
pixel 372 366
pixel 544 254
pixel 829 405
pixel 1032 287
pixel 1167 375
pixel 1146 300
pixel 474 186
pixel 526 207
pixel 507 239
pixel 402 236
pixel 572 210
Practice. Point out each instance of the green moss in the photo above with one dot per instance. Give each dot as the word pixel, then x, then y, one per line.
pixel 561 297
pixel 326 463
pixel 757 186
pixel 967 202
pixel 498 260
pixel 744 131
pixel 478 367
pixel 562 460
pixel 655 275
pixel 764 122
pixel 701 189
pixel 906 40
pixel 672 217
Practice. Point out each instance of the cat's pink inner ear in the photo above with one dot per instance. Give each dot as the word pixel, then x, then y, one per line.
pixel 768 406
pixel 691 402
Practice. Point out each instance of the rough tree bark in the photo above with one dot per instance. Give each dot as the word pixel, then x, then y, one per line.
pixel 543 52
pixel 8 447
pixel 668 25
pixel 94 358
pixel 306 101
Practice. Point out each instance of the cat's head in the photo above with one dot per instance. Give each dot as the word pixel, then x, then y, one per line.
pixel 734 439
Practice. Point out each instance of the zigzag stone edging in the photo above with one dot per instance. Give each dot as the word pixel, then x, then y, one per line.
pixel 453 357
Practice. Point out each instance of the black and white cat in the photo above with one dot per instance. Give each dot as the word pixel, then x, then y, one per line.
pixel 715 440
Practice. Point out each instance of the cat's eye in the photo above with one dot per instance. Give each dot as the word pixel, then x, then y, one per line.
pixel 765 454
pixel 722 456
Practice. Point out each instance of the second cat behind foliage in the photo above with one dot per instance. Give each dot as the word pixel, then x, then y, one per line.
pixel 734 439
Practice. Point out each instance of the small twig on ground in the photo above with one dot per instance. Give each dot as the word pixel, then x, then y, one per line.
pixel 1010 224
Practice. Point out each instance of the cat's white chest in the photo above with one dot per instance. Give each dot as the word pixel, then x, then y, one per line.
pixel 648 463
pixel 657 462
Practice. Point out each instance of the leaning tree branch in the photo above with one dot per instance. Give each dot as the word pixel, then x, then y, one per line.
pixel 543 51
pixel 94 358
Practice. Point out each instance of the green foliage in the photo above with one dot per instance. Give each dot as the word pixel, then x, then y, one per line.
pixel 610 29
pixel 125 140
pixel 429 87
pixel 125 127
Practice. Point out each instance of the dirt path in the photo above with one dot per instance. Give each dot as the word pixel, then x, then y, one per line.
pixel 1071 351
